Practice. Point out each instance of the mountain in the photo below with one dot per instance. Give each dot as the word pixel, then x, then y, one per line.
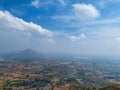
pixel 27 54
pixel 30 54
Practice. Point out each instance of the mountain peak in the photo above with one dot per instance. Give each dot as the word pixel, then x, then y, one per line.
pixel 26 54
pixel 28 50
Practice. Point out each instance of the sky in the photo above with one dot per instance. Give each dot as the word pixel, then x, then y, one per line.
pixel 84 27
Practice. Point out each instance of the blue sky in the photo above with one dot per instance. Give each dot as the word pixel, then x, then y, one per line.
pixel 85 27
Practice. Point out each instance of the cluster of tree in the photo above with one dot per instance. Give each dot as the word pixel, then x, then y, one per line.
pixel 37 82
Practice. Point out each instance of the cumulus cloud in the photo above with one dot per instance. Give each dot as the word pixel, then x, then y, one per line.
pixel 79 12
pixel 15 34
pixel 35 3
pixel 9 22
pixel 85 11
pixel 76 38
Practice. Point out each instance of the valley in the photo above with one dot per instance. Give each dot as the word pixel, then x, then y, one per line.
pixel 65 73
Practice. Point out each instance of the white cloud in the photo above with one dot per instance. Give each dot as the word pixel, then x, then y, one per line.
pixel 9 22
pixel 17 34
pixel 77 38
pixel 107 21
pixel 80 12
pixel 35 3
pixel 85 11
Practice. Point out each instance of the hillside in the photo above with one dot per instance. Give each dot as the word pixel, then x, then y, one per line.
pixel 113 87
pixel 27 54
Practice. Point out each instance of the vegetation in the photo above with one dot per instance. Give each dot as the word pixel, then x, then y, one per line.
pixel 58 75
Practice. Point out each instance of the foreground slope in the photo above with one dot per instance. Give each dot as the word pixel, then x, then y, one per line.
pixel 113 87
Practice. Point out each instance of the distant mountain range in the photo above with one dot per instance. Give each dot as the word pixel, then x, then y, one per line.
pixel 27 54
pixel 30 54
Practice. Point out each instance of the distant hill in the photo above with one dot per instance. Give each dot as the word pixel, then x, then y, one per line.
pixel 30 54
pixel 113 87
pixel 27 54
